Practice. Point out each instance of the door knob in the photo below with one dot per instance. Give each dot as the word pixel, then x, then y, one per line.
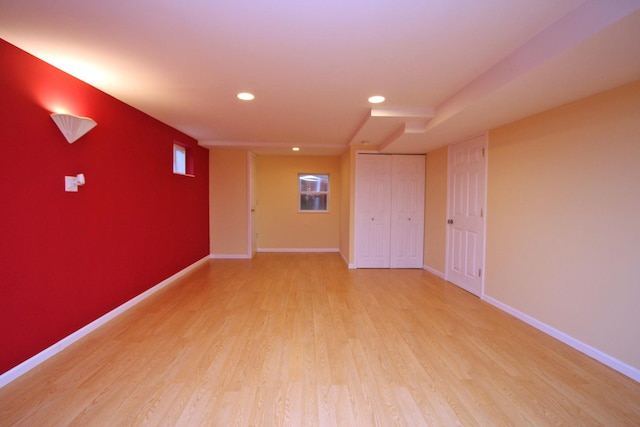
pixel 450 221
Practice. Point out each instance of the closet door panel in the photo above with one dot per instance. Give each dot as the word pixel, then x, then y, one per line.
pixel 373 211
pixel 407 211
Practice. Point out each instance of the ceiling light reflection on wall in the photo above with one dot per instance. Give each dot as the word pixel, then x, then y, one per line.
pixel 376 99
pixel 295 149
pixel 245 96
pixel 83 69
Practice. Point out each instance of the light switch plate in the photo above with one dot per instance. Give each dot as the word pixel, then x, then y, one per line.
pixel 70 184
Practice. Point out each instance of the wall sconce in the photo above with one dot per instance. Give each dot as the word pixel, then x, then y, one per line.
pixel 73 127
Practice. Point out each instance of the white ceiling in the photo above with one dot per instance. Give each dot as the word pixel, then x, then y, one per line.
pixel 449 69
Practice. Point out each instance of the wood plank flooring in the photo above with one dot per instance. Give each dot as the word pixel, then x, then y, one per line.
pixel 300 340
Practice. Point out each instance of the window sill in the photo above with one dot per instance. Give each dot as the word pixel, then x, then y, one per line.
pixel 184 174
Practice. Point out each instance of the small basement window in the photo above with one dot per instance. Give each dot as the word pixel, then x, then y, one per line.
pixel 181 160
pixel 314 192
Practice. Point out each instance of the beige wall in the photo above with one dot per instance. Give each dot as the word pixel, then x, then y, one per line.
pixel 280 224
pixel 345 212
pixel 435 215
pixel 228 201
pixel 563 235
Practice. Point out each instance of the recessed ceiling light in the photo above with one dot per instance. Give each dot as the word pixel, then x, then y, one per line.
pixel 245 96
pixel 296 148
pixel 376 99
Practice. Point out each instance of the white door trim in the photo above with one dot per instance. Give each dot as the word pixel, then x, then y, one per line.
pixel 251 224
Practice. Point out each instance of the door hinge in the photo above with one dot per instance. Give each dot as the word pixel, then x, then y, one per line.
pixel 479 272
pixel 483 152
pixel 481 213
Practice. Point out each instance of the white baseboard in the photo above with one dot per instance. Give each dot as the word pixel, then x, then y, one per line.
pixel 293 250
pixel 230 256
pixel 346 261
pixel 45 354
pixel 433 271
pixel 612 362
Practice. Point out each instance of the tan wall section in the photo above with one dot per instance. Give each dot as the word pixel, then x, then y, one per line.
pixel 280 224
pixel 345 205
pixel 228 201
pixel 435 214
pixel 563 236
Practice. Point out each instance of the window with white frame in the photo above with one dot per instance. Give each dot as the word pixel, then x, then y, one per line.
pixel 179 159
pixel 314 192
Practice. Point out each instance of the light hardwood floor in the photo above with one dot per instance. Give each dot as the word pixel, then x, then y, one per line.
pixel 300 340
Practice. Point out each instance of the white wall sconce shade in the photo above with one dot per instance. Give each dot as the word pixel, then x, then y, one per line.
pixel 73 127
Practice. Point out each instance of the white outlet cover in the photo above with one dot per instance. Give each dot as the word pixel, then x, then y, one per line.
pixel 70 184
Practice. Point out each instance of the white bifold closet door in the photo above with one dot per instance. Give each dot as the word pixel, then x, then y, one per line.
pixel 373 211
pixel 407 211
pixel 389 211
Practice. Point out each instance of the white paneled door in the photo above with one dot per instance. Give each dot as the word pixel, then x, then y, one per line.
pixel 373 211
pixel 407 212
pixel 389 211
pixel 467 182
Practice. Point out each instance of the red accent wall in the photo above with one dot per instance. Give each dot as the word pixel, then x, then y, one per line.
pixel 68 258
